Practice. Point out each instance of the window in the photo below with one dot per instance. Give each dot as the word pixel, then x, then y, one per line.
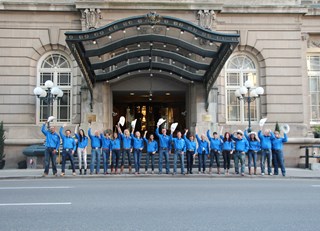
pixel 56 67
pixel 239 69
pixel 313 64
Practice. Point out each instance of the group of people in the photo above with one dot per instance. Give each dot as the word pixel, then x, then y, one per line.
pixel 117 147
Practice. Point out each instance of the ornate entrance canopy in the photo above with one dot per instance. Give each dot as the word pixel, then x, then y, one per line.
pixel 152 44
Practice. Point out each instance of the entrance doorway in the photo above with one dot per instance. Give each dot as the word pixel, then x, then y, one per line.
pixel 149 108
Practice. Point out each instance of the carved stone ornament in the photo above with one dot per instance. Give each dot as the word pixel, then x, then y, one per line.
pixel 153 18
pixel 207 19
pixel 313 43
pixel 91 18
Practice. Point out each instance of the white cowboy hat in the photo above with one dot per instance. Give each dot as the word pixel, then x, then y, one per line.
pixel 254 133
pixel 51 118
pixel 160 121
pixel 173 127
pixel 262 122
pixel 133 123
pixel 239 131
pixel 122 120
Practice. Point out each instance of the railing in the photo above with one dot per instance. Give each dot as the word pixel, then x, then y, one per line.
pixel 307 155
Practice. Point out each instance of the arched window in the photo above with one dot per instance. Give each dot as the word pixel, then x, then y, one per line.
pixel 239 69
pixel 313 64
pixel 56 67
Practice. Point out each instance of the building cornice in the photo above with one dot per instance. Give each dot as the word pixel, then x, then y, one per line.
pixel 37 5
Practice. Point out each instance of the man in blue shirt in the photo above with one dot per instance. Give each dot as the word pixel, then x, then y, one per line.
pixel 265 142
pixel 215 150
pixel 277 152
pixel 52 146
pixel 191 148
pixel 69 147
pixel 203 151
pixel 242 146
pixel 179 151
pixel 106 150
pixel 95 150
pixel 137 150
pixel 164 148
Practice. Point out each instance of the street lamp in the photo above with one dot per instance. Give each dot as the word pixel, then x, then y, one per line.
pixel 241 92
pixel 48 95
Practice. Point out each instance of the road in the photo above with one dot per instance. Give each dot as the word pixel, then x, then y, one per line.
pixel 160 204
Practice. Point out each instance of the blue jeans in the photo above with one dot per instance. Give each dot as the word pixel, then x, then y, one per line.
pixel 202 162
pixel 266 154
pixel 180 154
pixel 190 161
pixel 124 152
pixel 137 159
pixel 165 153
pixel 252 156
pixel 278 159
pixel 148 156
pixel 115 158
pixel 214 156
pixel 49 155
pixel 65 154
pixel 105 156
pixel 242 157
pixel 95 160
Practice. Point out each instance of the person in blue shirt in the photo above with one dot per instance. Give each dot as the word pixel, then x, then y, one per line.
pixel 137 150
pixel 82 140
pixel 115 147
pixel 242 146
pixel 215 150
pixel 152 148
pixel 266 143
pixel 126 147
pixel 164 150
pixel 191 148
pixel 106 150
pixel 254 148
pixel 69 148
pixel 227 150
pixel 52 146
pixel 203 152
pixel 277 152
pixel 179 151
pixel 95 150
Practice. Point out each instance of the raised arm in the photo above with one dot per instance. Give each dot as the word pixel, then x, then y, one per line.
pixel 43 129
pixel 61 132
pixel 208 134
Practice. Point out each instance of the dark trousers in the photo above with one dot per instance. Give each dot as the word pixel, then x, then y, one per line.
pixel 115 158
pixel 148 156
pixel 124 153
pixel 49 155
pixel 65 154
pixel 214 156
pixel 202 161
pixel 226 158
pixel 190 161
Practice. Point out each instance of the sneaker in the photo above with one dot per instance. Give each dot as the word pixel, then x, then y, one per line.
pixel 270 174
pixel 62 174
pixel 55 174
pixel 136 173
pixel 45 174
pixel 74 174
pixel 146 172
pixel 262 174
pixel 242 174
pixel 152 172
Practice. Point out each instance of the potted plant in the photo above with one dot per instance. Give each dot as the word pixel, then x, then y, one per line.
pixel 316 131
pixel 2 138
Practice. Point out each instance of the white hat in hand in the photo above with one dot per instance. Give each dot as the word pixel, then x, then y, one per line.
pixel 160 121
pixel 262 122
pixel 133 123
pixel 173 127
pixel 51 118
pixel 122 120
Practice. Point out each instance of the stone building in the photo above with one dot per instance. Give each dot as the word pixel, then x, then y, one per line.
pixel 277 47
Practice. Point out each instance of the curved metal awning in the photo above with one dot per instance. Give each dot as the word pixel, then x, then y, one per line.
pixel 152 44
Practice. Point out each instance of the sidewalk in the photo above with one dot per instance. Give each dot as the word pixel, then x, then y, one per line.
pixel 294 173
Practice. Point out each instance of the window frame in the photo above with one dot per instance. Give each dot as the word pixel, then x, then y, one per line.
pixel 242 105
pixel 55 73
pixel 315 74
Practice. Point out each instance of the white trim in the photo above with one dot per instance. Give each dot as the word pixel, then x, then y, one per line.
pixel 70 70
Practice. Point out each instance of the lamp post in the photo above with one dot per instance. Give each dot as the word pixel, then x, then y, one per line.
pixel 252 95
pixel 49 95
